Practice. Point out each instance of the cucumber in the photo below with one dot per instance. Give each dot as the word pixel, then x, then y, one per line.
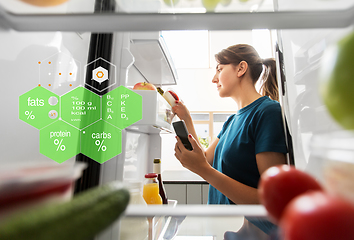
pixel 81 218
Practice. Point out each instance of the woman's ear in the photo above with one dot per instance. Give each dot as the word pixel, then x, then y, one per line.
pixel 242 68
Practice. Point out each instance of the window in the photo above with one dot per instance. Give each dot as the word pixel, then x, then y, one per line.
pixel 189 49
pixel 208 125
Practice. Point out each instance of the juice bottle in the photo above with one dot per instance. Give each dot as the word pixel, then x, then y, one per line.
pixel 151 189
pixel 157 170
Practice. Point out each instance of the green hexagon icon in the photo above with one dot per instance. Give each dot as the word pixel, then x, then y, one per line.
pixel 59 141
pixel 122 107
pixel 101 141
pixel 80 107
pixel 39 107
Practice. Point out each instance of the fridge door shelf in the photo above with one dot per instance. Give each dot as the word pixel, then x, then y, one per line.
pixel 152 58
pixel 161 224
pixel 157 114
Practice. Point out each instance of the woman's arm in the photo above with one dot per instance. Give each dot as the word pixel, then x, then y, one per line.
pixel 240 193
pixel 196 162
pixel 209 152
pixel 266 160
pixel 237 192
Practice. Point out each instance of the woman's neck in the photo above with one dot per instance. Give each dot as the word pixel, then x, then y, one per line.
pixel 245 95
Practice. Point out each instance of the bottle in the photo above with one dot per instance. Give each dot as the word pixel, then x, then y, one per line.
pixel 157 170
pixel 136 228
pixel 151 189
pixel 171 96
pixel 159 90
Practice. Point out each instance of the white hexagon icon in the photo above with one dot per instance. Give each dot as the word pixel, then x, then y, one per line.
pixel 100 74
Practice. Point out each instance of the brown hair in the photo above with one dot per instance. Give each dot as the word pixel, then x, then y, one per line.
pixel 243 52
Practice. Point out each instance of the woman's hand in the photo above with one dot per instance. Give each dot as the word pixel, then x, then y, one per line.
pixel 182 111
pixel 194 160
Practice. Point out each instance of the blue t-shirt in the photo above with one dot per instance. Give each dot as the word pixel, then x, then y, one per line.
pixel 256 128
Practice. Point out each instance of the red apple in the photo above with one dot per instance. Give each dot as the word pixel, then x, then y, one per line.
pixel 144 86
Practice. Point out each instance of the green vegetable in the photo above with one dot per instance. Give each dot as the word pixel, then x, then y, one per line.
pixel 210 5
pixel 86 215
pixel 337 81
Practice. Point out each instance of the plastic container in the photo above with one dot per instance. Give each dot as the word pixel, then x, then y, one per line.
pixel 134 227
pixel 151 189
pixel 335 152
pixel 25 185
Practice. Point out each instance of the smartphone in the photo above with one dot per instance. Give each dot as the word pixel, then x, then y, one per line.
pixel 182 133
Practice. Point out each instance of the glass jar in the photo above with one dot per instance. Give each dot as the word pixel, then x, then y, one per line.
pixel 151 189
pixel 334 153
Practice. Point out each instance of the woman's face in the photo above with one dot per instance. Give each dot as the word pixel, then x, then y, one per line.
pixel 226 79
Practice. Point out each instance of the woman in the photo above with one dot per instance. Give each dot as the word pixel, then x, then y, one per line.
pixel 250 141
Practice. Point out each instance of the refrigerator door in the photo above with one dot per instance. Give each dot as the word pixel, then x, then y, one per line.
pixel 35 59
pixel 307 116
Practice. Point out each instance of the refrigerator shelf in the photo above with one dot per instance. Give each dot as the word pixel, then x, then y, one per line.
pixel 166 219
pixel 98 22
pixel 138 6
pixel 197 210
pixel 172 6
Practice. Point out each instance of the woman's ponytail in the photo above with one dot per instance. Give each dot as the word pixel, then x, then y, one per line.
pixel 270 84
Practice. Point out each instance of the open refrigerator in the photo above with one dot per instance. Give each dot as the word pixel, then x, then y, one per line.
pixel 62 48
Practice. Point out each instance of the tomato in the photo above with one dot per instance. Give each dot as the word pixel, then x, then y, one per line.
pixel 280 184
pixel 318 216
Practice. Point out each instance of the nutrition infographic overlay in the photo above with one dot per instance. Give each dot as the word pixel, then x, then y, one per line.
pixel 80 121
